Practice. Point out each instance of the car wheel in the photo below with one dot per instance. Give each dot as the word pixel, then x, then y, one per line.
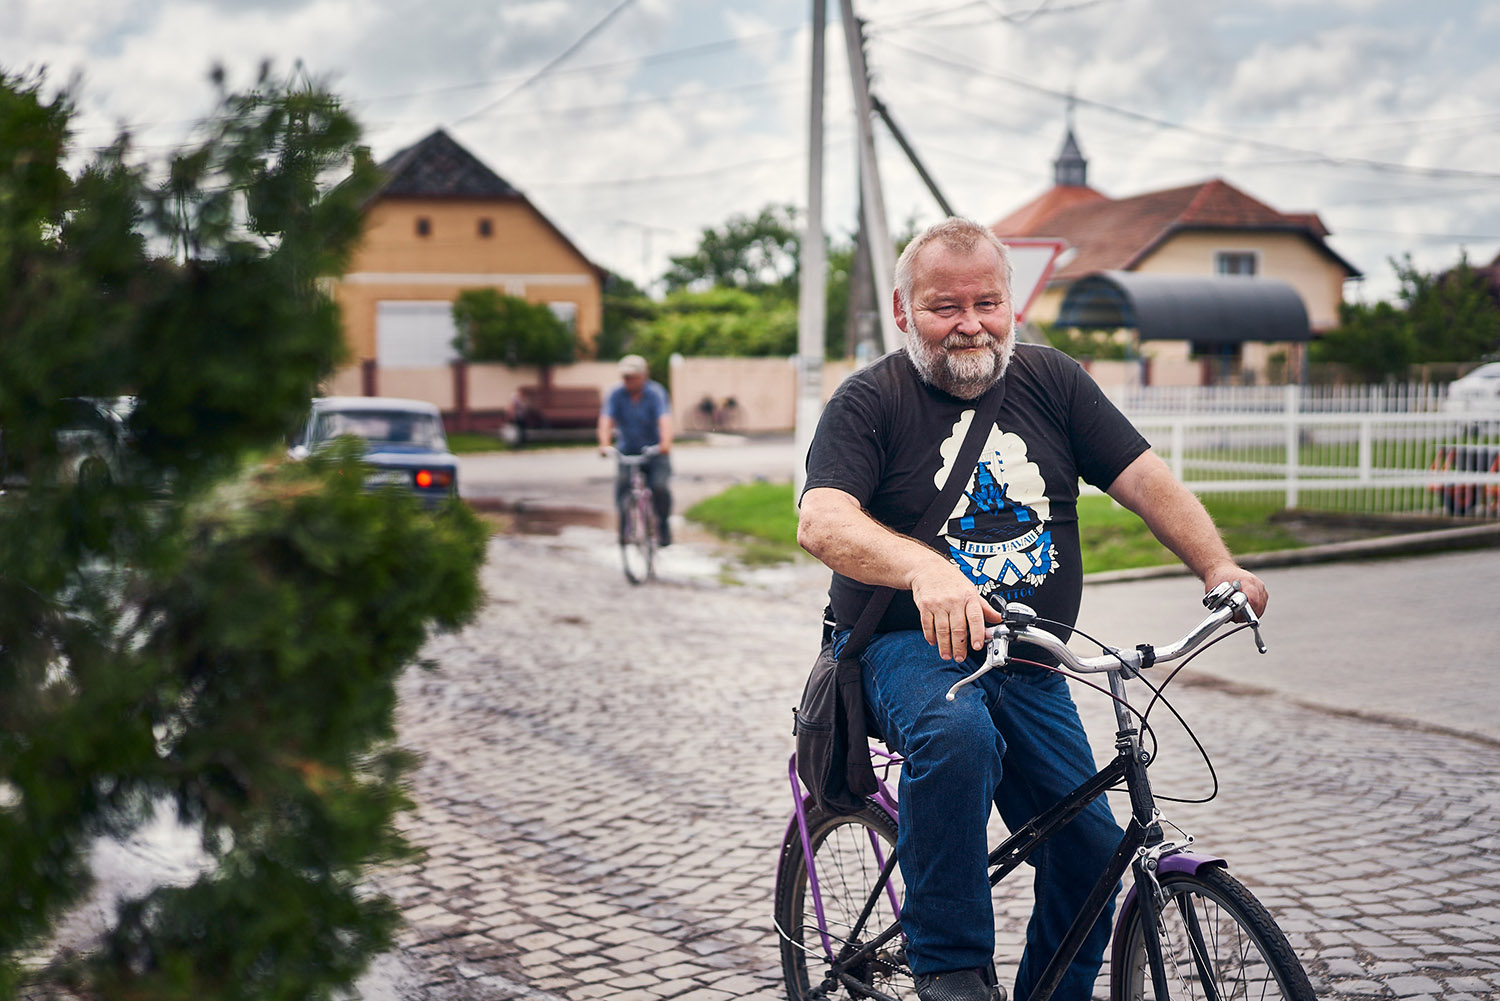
pixel 93 472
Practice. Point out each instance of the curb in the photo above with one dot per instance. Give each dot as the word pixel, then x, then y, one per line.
pixel 1439 540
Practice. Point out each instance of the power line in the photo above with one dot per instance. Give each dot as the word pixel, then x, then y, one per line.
pixel 669 55
pixel 1437 237
pixel 559 58
pixel 1311 156
pixel 625 182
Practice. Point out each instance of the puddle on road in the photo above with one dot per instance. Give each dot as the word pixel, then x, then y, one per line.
pixel 695 556
pixel 552 520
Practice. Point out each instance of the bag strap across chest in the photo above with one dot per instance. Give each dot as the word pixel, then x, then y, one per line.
pixel 986 409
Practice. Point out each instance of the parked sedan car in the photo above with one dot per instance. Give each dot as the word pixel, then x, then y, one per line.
pixel 1476 393
pixel 404 441
pixel 92 444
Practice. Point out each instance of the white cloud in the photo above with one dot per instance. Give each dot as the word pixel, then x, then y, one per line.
pixel 699 130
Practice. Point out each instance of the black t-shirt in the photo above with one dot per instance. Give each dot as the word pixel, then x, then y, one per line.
pixel 887 438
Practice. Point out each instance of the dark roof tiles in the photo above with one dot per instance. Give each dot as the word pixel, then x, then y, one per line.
pixel 438 167
pixel 1112 234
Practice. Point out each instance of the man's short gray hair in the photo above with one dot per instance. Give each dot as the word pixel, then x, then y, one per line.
pixel 962 235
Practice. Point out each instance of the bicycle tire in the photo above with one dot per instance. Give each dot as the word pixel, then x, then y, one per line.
pixel 1244 955
pixel 847 868
pixel 637 542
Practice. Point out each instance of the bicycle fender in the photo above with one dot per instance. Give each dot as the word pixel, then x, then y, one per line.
pixel 1188 862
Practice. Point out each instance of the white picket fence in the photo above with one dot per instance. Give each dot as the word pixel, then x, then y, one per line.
pixel 1359 450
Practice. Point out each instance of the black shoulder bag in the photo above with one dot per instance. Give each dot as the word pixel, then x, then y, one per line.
pixel 833 734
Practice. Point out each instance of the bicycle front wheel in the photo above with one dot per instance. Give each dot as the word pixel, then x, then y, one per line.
pixel 848 852
pixel 1218 943
pixel 637 543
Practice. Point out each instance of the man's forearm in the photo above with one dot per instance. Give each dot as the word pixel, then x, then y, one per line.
pixel 1173 513
pixel 835 529
pixel 848 541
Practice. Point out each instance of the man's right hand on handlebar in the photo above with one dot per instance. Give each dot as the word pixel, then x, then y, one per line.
pixel 954 616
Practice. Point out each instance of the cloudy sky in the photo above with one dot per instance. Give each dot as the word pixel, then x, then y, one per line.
pixel 634 124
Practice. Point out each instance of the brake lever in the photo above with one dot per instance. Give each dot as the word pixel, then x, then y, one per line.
pixel 1244 613
pixel 998 653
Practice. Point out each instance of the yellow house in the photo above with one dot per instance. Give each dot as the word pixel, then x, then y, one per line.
pixel 443 222
pixel 1207 229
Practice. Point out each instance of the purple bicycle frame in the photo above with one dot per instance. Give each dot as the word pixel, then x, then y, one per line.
pixel 883 798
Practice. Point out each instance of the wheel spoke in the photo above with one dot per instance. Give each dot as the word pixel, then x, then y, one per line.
pixel 848 853
pixel 1218 944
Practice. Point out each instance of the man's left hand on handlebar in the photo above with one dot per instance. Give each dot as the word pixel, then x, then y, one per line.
pixel 1252 586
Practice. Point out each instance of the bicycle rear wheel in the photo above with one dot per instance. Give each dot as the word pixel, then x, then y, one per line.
pixel 1218 944
pixel 848 852
pixel 637 541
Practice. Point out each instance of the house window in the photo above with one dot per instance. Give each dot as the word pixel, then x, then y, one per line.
pixel 424 226
pixel 486 228
pixel 1234 262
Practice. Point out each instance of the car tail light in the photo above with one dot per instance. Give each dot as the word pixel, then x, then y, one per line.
pixel 429 478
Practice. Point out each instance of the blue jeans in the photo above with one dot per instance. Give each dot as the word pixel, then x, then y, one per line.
pixel 1026 720
pixel 658 476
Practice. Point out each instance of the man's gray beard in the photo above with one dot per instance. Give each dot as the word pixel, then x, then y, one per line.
pixel 968 377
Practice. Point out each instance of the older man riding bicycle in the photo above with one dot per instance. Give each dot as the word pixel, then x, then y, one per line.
pixel 637 415
pixel 880 455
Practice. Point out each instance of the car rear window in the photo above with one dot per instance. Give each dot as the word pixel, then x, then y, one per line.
pixel 381 426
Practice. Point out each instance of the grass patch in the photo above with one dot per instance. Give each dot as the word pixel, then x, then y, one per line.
pixel 1113 538
pixel 761 517
pixel 470 442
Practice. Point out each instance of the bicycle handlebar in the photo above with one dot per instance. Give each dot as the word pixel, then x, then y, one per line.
pixel 1225 603
pixel 638 458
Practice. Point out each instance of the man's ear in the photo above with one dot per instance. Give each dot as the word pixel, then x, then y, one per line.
pixel 898 311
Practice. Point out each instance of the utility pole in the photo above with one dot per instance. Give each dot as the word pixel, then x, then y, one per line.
pixel 811 307
pixel 646 230
pixel 882 253
pixel 911 154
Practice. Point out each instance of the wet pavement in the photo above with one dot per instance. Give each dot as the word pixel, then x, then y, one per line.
pixel 602 786
pixel 603 783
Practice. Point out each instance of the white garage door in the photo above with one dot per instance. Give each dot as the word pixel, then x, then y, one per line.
pixel 414 334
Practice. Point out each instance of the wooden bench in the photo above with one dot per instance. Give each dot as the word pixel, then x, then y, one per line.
pixel 555 412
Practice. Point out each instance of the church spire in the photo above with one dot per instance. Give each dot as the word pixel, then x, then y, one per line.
pixel 1070 169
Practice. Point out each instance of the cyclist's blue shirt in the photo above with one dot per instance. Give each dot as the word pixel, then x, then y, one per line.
pixel 636 420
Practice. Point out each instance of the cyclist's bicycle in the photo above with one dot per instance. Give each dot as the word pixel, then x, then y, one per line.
pixel 1186 930
pixel 638 541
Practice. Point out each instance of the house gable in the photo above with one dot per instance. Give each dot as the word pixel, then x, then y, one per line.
pixel 440 223
pixel 1118 234
pixel 437 169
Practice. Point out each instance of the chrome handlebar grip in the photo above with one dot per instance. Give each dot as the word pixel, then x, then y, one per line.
pixel 1226 603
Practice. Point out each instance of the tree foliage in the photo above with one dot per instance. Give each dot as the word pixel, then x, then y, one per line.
pixel 759 255
pixel 1445 317
pixel 506 328
pixel 626 309
pixel 722 322
pixel 215 631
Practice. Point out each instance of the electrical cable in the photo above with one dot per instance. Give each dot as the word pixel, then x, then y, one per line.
pixel 1309 156
pixel 557 59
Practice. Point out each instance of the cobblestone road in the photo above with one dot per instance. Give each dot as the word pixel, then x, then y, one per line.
pixel 603 790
